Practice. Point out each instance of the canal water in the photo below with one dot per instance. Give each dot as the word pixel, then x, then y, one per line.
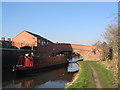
pixel 56 78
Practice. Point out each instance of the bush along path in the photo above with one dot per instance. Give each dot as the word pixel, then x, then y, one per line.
pixel 93 75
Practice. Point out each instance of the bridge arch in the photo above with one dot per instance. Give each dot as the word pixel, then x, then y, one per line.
pixel 69 53
pixel 64 52
pixel 26 47
pixel 85 51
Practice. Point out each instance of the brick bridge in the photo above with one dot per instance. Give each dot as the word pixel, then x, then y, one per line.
pixel 45 47
pixel 87 52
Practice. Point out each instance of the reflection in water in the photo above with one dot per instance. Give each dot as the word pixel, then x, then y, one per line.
pixel 53 84
pixel 27 84
pixel 56 78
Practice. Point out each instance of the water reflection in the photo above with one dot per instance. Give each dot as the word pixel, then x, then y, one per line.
pixel 48 79
pixel 56 78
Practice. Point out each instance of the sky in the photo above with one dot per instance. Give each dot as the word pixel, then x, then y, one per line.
pixel 64 22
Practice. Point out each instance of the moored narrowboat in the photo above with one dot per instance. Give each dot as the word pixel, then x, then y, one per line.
pixel 34 63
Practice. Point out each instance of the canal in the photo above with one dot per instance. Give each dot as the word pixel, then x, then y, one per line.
pixel 56 78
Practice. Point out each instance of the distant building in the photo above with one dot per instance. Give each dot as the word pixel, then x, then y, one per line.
pixel 27 38
pixel 5 43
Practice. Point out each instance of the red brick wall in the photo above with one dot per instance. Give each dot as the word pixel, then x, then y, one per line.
pixel 83 50
pixel 27 39
pixel 48 49
pixel 24 39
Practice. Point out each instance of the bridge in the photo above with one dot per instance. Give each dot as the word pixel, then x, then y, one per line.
pixel 87 52
pixel 45 47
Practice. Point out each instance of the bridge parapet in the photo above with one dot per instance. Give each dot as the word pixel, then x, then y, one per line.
pixel 88 52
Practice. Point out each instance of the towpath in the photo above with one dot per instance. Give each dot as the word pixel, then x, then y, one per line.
pixel 95 76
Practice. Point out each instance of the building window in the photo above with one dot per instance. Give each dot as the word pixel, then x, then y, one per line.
pixel 42 43
pixel 24 40
pixel 47 43
pixel 38 41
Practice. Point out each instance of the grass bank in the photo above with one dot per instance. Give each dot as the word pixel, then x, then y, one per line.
pixel 85 78
pixel 106 77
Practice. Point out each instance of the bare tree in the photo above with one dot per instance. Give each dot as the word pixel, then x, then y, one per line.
pixel 110 47
pixel 111 36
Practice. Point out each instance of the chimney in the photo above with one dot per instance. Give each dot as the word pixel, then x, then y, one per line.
pixel 3 38
pixel 9 39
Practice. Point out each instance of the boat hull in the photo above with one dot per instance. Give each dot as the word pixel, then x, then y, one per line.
pixel 36 70
pixel 43 64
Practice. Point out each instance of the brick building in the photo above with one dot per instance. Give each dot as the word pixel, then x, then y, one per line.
pixel 32 40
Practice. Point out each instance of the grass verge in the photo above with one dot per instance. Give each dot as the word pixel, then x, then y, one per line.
pixel 85 79
pixel 106 77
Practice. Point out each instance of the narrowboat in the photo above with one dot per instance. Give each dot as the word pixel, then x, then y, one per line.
pixel 75 60
pixel 32 63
